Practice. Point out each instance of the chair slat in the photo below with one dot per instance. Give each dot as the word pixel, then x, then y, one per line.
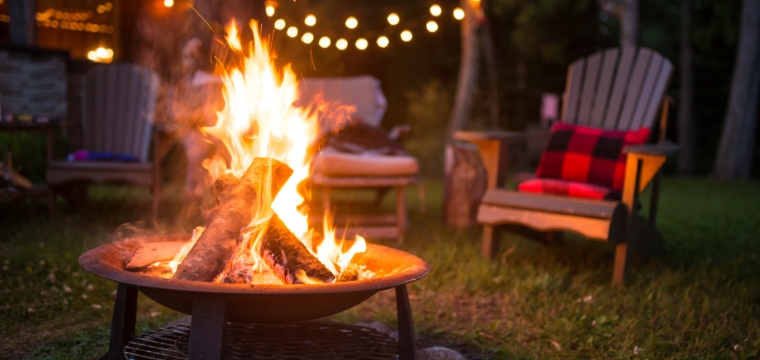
pixel 605 84
pixel 658 94
pixel 622 78
pixel 150 94
pixel 634 88
pixel 132 111
pixel 119 118
pixel 573 91
pixel 646 96
pixel 589 88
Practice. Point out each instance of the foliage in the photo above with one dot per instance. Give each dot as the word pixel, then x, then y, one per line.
pixel 698 300
pixel 427 106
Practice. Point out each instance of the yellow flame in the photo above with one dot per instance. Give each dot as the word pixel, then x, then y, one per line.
pixel 185 249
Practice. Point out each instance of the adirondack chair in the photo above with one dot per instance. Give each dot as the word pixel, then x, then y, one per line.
pixel 337 170
pixel 117 114
pixel 615 89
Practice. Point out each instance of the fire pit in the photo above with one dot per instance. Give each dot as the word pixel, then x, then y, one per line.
pixel 216 307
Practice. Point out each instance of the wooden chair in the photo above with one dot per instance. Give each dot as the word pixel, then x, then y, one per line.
pixel 117 114
pixel 333 170
pixel 616 89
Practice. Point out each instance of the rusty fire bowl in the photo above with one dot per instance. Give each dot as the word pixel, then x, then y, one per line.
pixel 264 304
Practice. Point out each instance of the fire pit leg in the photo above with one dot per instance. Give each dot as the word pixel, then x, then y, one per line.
pixel 123 322
pixel 208 328
pixel 406 349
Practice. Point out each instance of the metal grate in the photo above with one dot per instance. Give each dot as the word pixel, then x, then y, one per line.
pixel 311 340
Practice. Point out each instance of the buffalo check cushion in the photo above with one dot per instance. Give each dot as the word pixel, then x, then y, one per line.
pixel 568 188
pixel 588 155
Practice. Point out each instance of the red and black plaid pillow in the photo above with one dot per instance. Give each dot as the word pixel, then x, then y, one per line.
pixel 589 155
pixel 569 188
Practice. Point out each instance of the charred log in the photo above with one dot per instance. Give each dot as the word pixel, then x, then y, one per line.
pixel 285 255
pixel 236 199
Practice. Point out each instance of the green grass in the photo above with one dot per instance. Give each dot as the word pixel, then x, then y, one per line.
pixel 698 300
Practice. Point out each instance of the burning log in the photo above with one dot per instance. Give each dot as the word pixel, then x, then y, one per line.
pixel 235 199
pixel 286 255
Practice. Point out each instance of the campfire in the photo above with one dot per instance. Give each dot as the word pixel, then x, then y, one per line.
pixel 258 232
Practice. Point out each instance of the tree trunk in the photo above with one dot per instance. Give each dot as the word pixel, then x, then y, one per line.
pixel 737 143
pixel 465 183
pixel 627 14
pixel 686 103
pixel 23 26
pixel 468 70
pixel 489 53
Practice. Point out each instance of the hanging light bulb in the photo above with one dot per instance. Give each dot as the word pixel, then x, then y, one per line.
pixel 270 10
pixel 292 31
pixel 279 24
pixel 167 3
pixel 324 42
pixel 406 35
pixel 393 19
pixel 432 26
pixel 458 13
pixel 310 20
pixel 352 23
pixel 382 41
pixel 341 44
pixel 307 38
pixel 435 10
pixel 361 44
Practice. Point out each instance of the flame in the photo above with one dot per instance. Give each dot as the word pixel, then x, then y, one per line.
pixel 260 120
pixel 186 249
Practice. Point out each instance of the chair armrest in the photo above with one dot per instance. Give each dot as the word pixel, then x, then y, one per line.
pixel 665 148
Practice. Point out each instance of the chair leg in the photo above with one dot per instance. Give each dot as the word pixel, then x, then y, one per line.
pixel 400 213
pixel 490 241
pixel 621 257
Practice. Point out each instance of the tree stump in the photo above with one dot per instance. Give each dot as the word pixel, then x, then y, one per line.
pixel 465 183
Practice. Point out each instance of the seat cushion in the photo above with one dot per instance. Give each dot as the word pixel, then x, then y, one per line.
pixel 59 172
pixel 568 188
pixel 588 155
pixel 333 163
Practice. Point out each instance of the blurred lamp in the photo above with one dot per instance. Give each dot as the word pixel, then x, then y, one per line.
pixel 292 31
pixel 168 3
pixel 324 42
pixel 279 24
pixel 458 13
pixel 270 10
pixel 341 44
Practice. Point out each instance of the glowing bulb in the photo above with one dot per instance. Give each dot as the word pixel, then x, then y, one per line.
pixel 341 44
pixel 168 3
pixel 406 35
pixel 279 24
pixel 435 10
pixel 270 10
pixel 458 14
pixel 361 44
pixel 393 19
pixel 432 26
pixel 92 55
pixel 324 42
pixel 307 38
pixel 101 52
pixel 382 41
pixel 310 20
pixel 352 23
pixel 292 31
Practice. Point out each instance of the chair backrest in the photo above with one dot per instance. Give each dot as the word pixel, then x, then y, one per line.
pixel 363 92
pixel 616 89
pixel 118 101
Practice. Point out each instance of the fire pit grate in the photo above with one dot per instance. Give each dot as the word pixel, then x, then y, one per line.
pixel 304 340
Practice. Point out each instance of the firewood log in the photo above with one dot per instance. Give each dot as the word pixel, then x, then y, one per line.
pixel 236 200
pixel 285 255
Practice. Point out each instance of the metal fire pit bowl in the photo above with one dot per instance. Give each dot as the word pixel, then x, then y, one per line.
pixel 264 304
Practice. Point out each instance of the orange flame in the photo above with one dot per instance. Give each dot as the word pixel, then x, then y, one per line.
pixel 260 120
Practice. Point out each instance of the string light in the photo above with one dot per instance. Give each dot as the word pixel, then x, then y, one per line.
pixel 406 35
pixel 458 13
pixel 307 38
pixel 270 10
pixel 168 3
pixel 382 41
pixel 310 20
pixel 324 42
pixel 352 23
pixel 101 55
pixel 432 26
pixel 435 10
pixel 292 31
pixel 361 44
pixel 279 24
pixel 393 19
pixel 341 44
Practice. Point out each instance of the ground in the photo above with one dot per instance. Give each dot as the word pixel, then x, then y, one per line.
pixel 700 299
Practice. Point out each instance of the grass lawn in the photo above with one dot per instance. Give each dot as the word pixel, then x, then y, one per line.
pixel 700 299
